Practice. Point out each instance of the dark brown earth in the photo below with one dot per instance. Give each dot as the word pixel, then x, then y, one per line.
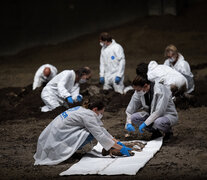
pixel 21 121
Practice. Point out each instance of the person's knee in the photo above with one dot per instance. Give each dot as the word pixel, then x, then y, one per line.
pixel 162 124
pixel 136 118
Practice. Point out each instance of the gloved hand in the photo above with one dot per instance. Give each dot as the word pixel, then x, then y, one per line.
pixel 120 143
pixel 117 79
pixel 101 80
pixel 142 126
pixel 130 128
pixel 124 151
pixel 69 99
pixel 79 98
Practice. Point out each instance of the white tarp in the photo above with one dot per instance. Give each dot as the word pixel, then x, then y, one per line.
pixel 94 163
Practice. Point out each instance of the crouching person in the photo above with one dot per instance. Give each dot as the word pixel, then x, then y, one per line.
pixel 72 130
pixel 157 111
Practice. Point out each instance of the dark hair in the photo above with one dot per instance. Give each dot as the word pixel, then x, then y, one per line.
pixel 142 69
pixel 90 104
pixel 85 70
pixel 140 81
pixel 104 36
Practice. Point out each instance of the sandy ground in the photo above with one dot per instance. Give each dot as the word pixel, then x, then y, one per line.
pixel 21 121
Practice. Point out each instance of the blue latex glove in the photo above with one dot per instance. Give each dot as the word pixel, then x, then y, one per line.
pixel 101 80
pixel 69 99
pixel 117 79
pixel 142 126
pixel 130 128
pixel 120 143
pixel 79 98
pixel 124 151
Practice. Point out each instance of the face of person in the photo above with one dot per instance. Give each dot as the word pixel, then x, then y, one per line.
pixel 84 78
pixel 103 43
pixel 171 55
pixel 99 113
pixel 142 90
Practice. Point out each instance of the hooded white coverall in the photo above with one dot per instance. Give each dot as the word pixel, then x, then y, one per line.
pixel 162 105
pixel 39 77
pixel 183 67
pixel 67 132
pixel 112 64
pixel 58 89
pixel 166 75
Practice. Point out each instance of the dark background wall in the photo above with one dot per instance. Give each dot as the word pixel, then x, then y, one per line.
pixel 28 23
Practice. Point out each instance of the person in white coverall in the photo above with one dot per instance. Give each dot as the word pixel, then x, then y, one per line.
pixel 43 75
pixel 71 131
pixel 152 108
pixel 64 88
pixel 112 64
pixel 176 61
pixel 171 78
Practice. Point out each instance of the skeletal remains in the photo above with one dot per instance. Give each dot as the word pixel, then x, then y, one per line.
pixel 135 146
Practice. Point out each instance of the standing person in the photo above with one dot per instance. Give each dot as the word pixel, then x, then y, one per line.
pixel 156 109
pixel 171 78
pixel 112 64
pixel 71 131
pixel 64 88
pixel 176 61
pixel 43 75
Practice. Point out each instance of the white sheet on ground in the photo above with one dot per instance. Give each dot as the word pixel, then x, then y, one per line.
pixel 94 163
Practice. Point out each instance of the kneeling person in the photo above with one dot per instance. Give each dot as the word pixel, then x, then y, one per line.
pixel 156 108
pixel 72 130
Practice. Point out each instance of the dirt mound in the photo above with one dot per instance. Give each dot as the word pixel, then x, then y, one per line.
pixel 23 103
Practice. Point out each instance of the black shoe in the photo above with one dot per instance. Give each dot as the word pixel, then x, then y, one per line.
pixel 156 134
pixel 168 136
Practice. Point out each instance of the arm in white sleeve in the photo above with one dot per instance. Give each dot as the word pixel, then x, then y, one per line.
pixel 121 58
pixel 97 131
pixel 64 93
pixel 167 62
pixel 161 106
pixel 37 80
pixel 75 93
pixel 107 133
pixel 101 65
pixel 133 106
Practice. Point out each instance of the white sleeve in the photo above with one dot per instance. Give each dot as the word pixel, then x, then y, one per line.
pixel 167 63
pixel 133 106
pixel 162 100
pixel 37 79
pixel 75 93
pixel 64 93
pixel 96 130
pixel 185 69
pixel 121 58
pixel 101 65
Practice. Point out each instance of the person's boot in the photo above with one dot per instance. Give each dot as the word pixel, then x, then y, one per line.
pixel 168 136
pixel 156 134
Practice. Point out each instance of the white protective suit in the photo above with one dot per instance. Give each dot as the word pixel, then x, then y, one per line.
pixel 67 132
pixel 162 105
pixel 58 89
pixel 112 64
pixel 39 77
pixel 183 67
pixel 166 75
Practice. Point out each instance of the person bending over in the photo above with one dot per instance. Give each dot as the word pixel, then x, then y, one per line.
pixel 71 131
pixel 152 108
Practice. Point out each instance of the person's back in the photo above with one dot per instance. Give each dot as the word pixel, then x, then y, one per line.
pixel 44 74
pixel 165 75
